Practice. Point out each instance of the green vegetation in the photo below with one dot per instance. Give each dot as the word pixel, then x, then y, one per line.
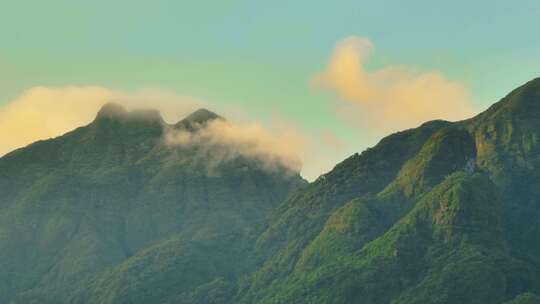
pixel 109 213
pixel 525 298
pixel 446 213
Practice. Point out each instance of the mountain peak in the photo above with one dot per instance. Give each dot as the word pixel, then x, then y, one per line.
pixel 111 109
pixel 199 117
pixel 529 89
pixel 522 104
pixel 522 99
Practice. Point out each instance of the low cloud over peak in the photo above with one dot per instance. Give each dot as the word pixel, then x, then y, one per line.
pixel 45 112
pixel 225 141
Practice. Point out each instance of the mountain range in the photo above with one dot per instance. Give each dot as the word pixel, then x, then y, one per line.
pixel 448 212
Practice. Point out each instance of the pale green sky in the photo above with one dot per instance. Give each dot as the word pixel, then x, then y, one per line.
pixel 261 55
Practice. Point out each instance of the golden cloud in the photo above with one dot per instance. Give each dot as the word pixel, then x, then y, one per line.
pixel 46 112
pixel 43 112
pixel 393 97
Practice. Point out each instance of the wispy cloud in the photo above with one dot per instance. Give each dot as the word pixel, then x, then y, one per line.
pixel 46 112
pixel 220 141
pixel 393 97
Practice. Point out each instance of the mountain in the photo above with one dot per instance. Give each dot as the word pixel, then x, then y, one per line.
pixel 445 213
pixel 110 213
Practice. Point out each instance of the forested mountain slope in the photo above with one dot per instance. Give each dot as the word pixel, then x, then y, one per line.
pixel 109 213
pixel 446 213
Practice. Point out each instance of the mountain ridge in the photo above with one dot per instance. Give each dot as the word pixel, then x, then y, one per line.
pixel 99 197
pixel 496 154
pixel 444 213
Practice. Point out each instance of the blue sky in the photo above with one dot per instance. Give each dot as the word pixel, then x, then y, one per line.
pixel 261 56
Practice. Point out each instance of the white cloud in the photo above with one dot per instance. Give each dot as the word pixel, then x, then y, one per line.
pixel 225 140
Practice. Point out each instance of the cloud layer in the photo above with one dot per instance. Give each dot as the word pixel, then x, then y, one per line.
pixel 393 97
pixel 44 112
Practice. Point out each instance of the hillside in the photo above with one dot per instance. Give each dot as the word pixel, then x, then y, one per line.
pixel 445 213
pixel 111 205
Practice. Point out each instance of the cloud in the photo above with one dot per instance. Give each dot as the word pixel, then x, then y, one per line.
pixel 44 112
pixel 279 145
pixel 330 139
pixel 393 97
pixel 223 141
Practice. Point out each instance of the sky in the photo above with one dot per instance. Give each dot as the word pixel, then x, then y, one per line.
pixel 337 74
